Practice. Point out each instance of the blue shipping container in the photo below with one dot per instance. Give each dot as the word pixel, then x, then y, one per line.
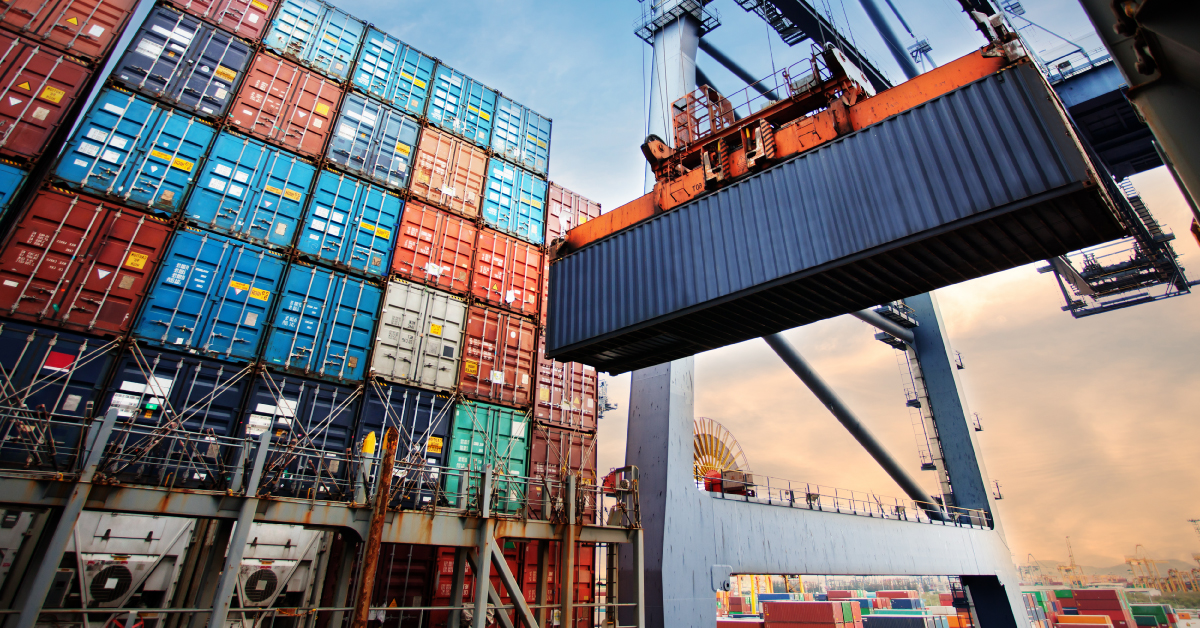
pixel 51 370
pixel 310 413
pixel 137 150
pixel 211 297
pixel 374 140
pixel 462 105
pixel 515 201
pixel 351 223
pixel 11 178
pixel 423 418
pixel 182 61
pixel 251 190
pixel 522 136
pixel 394 72
pixel 323 325
pixel 316 34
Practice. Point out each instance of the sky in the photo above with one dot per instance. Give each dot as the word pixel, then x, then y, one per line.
pixel 1089 425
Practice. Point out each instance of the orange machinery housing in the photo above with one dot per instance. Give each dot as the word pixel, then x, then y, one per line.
pixel 714 149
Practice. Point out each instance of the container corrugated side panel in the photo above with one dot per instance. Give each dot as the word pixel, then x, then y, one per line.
pixel 350 224
pixel 313 414
pixel 522 136
pixel 251 191
pixel 435 247
pixel 514 201
pixel 419 338
pixel 52 369
pixel 83 28
pixel 39 88
pixel 486 434
pixel 211 297
pixel 462 105
pixel 566 393
pixel 555 452
pixel 394 72
pixel 449 172
pixel 374 140
pixel 12 179
pixel 983 179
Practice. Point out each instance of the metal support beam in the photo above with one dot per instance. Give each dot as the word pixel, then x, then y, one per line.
pixel 819 30
pixel 736 70
pixel 543 576
pixel 241 531
pixel 873 318
pixel 566 558
pixel 458 581
pixel 483 558
pixel 341 591
pixel 43 576
pixel 383 493
pixel 842 413
pixel 898 50
pixel 20 562
pixel 513 587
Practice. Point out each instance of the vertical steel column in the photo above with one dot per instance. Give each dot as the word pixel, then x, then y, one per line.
pixel 241 531
pixel 483 563
pixel 543 575
pixel 674 75
pixel 611 584
pixel 20 563
pixel 383 492
pixel 341 592
pixel 639 578
pixel 460 580
pixel 43 577
pixel 566 558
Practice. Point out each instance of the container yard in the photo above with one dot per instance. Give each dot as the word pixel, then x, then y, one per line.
pixel 297 331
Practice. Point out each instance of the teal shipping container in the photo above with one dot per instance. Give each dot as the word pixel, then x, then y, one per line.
pixel 462 105
pixel 485 435
pixel 514 201
pixel 318 35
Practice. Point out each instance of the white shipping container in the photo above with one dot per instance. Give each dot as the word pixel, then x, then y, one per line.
pixel 420 336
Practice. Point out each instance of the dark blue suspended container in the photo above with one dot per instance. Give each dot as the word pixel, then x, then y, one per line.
pixel 324 324
pixel 521 136
pixel 135 150
pixel 318 35
pixel 423 418
pixel 394 72
pixel 211 297
pixel 514 201
pixel 11 179
pixel 462 105
pixel 351 224
pixel 374 140
pixel 180 60
pixel 251 191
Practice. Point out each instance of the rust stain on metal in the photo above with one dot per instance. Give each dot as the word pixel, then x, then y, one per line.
pixel 391 441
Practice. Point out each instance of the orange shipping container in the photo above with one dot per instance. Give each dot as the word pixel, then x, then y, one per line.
pixel 435 248
pixel 498 362
pixel 449 172
pixel 84 28
pixel 283 104
pixel 565 210
pixel 508 273
pixel 566 392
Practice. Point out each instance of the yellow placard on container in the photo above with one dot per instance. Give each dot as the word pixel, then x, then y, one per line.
pixel 225 74
pixel 260 294
pixel 273 190
pixel 470 368
pixel 419 83
pixel 136 260
pixel 321 109
pixel 368 446
pixel 239 286
pixel 435 329
pixel 261 6
pixel 403 149
pixel 292 195
pixel 52 94
pixel 435 444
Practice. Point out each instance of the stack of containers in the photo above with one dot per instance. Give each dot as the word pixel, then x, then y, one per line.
pixel 1106 603
pixel 838 614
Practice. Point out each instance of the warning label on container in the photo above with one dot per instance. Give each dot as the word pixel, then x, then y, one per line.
pixel 136 260
pixel 435 444
pixel 403 150
pixel 176 162
pixel 261 6
pixel 270 189
pixel 291 195
pixel 225 74
pixel 471 368
pixel 419 83
pixel 239 287
pixel 435 329
pixel 321 109
pixel 260 294
pixel 23 85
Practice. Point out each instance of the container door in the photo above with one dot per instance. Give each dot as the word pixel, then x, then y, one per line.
pixel 346 338
pixel 166 158
pixel 99 152
pixel 512 454
pixel 415 72
pixel 449 172
pixel 205 395
pixel 294 25
pixel 336 43
pixel 61 372
pixel 201 8
pixel 11 179
pixel 84 28
pixel 374 73
pixel 207 87
pixel 325 231
pixel 160 52
pixel 469 437
pixel 435 247
pixel 535 142
pixel 400 321
pixel 279 197
pixel 462 106
pixel 310 115
pixel 326 418
pixel 507 130
pixel 246 18
pixel 264 95
pixel 529 213
pixel 378 212
pixel 249 279
pixel 297 324
pixel 181 299
pixel 39 89
pixel 445 316
pixel 392 149
pixel 356 129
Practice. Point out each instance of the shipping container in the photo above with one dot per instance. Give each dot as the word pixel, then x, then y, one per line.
pixel 522 136
pixel 462 105
pixel 286 105
pixel 52 370
pixel 135 150
pixel 350 224
pixel 419 339
pixel 485 435
pixel 585 578
pixel 422 418
pixel 79 262
pixel 449 172
pixel 435 248
pixel 555 453
pixel 323 325
pixel 404 578
pixel 245 18
pixel 211 297
pixel 40 87
pixel 445 585
pixel 566 393
pixel 373 140
pixel 498 361
pixel 567 210
pixel 316 34
pixel 783 236
pixel 394 72
pixel 12 179
pixel 515 201
pixel 180 60
pixel 310 414
pixel 251 191
pixel 83 28
pixel 507 273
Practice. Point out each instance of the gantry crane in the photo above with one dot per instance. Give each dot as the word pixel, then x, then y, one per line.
pixel 1072 573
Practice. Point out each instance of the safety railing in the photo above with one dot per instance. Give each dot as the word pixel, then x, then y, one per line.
pixel 39 444
pixel 780 492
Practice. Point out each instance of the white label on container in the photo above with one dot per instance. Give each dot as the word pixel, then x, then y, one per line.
pixel 317 225
pixel 518 429
pixel 149 48
pixel 111 108
pixel 40 113
pixel 317 123
pixel 158 30
pixel 339 217
pixel 96 134
pixel 497 377
pixel 456 80
pixel 334 230
pixel 253 18
pixel 370 118
pixel 91 150
pixel 118 143
pixel 510 296
pixel 236 190
pixel 221 93
pixel 71 403
pixel 346 132
pixel 251 319
pixel 96 31
pixel 184 35
pixel 125 405
pixel 81 163
pixel 242 176
pixel 258 424
pixel 10 283
pixel 111 156
pixel 431 268
pixel 217 184
pixel 322 212
pixel 222 170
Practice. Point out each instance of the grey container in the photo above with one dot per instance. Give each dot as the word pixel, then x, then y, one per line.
pixel 983 179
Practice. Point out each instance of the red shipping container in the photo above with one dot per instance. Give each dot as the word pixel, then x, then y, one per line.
pixel 1095 594
pixel 40 86
pixel 449 172
pixel 839 594
pixel 739 623
pixel 245 18
pixel 897 594
pixel 566 392
pixel 585 578
pixel 498 362
pixel 827 613
pixel 944 599
pixel 286 105
pixel 1098 604
pixel 553 453
pixel 404 575
pixel 435 248
pixel 507 273
pixel 79 262
pixel 566 210
pixel 83 28
pixel 445 583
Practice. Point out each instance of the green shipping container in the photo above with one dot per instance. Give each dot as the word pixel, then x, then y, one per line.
pixel 1063 594
pixel 1158 611
pixel 847 612
pixel 484 434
